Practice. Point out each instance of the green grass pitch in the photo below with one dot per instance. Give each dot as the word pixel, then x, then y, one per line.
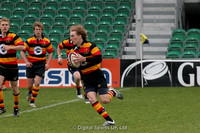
pixel 143 110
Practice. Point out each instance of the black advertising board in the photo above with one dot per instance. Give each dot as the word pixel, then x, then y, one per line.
pixel 160 73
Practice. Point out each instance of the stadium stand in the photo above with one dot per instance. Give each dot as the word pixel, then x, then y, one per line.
pixel 185 43
pixel 103 20
pixel 5 12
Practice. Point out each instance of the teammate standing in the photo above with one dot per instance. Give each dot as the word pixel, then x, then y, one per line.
pixel 37 47
pixel 9 44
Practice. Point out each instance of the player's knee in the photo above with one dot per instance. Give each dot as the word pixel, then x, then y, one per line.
pixel 105 101
pixel 92 100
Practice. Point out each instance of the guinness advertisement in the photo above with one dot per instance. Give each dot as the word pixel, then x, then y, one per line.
pixel 160 73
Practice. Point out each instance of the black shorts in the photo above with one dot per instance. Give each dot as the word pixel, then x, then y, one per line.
pixel 36 69
pixel 9 74
pixel 95 82
pixel 72 70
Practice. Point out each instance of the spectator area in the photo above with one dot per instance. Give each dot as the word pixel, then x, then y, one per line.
pixel 105 20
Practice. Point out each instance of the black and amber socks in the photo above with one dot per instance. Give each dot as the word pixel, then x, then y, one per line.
pixel 101 110
pixel 1 99
pixel 16 100
pixel 34 93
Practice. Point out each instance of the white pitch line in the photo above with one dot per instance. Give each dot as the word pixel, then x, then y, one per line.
pixel 49 106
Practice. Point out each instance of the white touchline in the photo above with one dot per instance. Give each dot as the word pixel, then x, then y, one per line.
pixel 53 105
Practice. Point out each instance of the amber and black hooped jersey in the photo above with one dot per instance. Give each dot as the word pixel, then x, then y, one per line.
pixel 88 50
pixel 8 59
pixel 66 44
pixel 37 49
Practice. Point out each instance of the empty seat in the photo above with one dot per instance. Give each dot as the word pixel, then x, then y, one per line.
pixel 179 33
pixel 106 18
pixel 109 10
pixel 92 18
pixel 109 54
pixel 90 26
pixel 50 10
pixel 19 11
pixel 24 34
pixel 175 47
pixel 54 42
pixel 193 33
pixel 95 10
pixel 52 3
pixel 104 26
pixel 59 26
pixel 22 4
pixel 100 42
pixel 64 10
pixel 188 54
pixel 8 4
pixel 5 12
pixel 30 18
pixel 46 18
pixel 79 10
pixel 90 35
pixel 14 27
pixel 117 34
pixel 47 27
pixel 121 17
pixel 128 3
pixel 61 18
pixel 173 55
pixel 67 3
pixel 124 10
pixel 101 34
pixel 34 11
pixel 27 26
pixel 113 3
pixel 191 44
pixel 36 3
pixel 81 3
pixel 119 25
pixel 16 19
pixel 97 3
pixel 177 41
pixel 72 23
pixel 77 18
pixel 56 34
pixel 192 40
pixel 113 43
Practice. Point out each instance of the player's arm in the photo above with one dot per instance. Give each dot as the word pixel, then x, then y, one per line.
pixel 18 48
pixel 96 57
pixel 59 50
pixel 23 55
pixel 50 56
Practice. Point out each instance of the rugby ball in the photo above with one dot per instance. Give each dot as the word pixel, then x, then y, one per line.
pixel 71 58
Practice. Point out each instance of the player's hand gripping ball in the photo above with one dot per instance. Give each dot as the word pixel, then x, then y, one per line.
pixel 72 60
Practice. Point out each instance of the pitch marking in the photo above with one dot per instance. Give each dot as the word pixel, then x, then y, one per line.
pixel 50 106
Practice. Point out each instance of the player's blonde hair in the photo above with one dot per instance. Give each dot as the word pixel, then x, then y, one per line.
pixel 38 24
pixel 4 19
pixel 80 30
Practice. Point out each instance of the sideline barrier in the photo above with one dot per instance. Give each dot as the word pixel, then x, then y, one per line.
pixel 59 76
pixel 160 73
